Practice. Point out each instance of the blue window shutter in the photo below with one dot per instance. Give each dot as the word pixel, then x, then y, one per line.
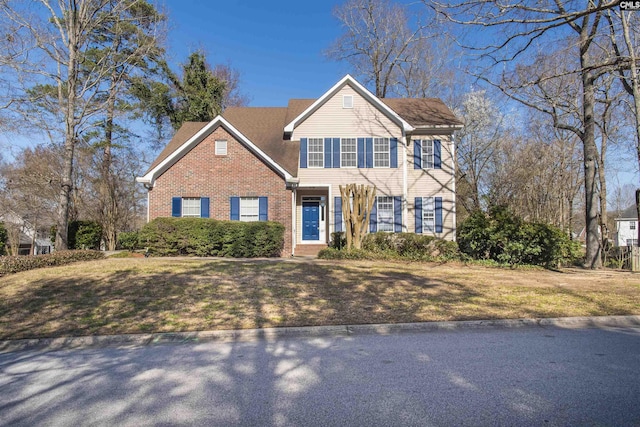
pixel 373 220
pixel 176 206
pixel 361 152
pixel 397 214
pixel 303 152
pixel 327 153
pixel 369 151
pixel 337 213
pixel 417 155
pixel 438 214
pixel 235 209
pixel 336 152
pixel 263 209
pixel 418 211
pixel 204 207
pixel 393 148
pixel 437 154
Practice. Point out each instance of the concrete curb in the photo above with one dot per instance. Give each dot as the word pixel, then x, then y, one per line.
pixel 271 334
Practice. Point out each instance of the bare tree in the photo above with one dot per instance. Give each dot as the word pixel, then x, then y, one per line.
pixel 478 142
pixel 357 203
pixel 523 27
pixel 70 82
pixel 377 42
pixel 624 39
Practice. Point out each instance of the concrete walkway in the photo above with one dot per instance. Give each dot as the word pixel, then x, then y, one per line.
pixel 272 334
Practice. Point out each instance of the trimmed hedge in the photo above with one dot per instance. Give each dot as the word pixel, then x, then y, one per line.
pixel 15 264
pixel 210 237
pixel 406 246
pixel 503 237
pixel 128 240
pixel 84 235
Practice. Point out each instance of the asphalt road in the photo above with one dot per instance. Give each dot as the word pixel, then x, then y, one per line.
pixel 501 377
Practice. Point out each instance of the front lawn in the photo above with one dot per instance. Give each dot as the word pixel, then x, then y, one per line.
pixel 135 295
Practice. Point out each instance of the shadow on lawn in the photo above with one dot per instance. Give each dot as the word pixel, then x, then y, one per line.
pixel 238 294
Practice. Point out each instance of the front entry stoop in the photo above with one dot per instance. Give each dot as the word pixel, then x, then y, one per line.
pixel 309 250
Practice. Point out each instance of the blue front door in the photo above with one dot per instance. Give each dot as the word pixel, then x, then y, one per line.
pixel 310 221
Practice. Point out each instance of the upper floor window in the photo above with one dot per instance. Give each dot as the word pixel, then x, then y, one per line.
pixel 348 153
pixel 347 101
pixel 249 209
pixel 632 225
pixel 191 207
pixel 316 152
pixel 428 214
pixel 427 154
pixel 221 148
pixel 381 152
pixel 385 213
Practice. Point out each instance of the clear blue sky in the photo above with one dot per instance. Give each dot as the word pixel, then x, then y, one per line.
pixel 276 45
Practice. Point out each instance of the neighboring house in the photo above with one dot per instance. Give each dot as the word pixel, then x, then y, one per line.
pixel 286 164
pixel 30 243
pixel 627 227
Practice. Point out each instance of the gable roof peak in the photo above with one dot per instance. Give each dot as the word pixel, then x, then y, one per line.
pixel 363 91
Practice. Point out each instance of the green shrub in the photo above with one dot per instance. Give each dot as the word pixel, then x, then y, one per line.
pixel 210 237
pixel 128 240
pixel 332 253
pixel 410 246
pixel 15 264
pixel 398 246
pixel 3 238
pixel 507 239
pixel 338 240
pixel 84 235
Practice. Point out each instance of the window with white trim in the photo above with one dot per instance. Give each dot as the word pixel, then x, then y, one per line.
pixel 348 153
pixel 632 225
pixel 428 214
pixel 316 152
pixel 427 154
pixel 381 152
pixel 221 148
pixel 385 213
pixel 191 207
pixel 347 101
pixel 249 209
pixel 632 242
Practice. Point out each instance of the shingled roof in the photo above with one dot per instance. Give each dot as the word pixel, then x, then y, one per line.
pixel 264 126
pixel 423 112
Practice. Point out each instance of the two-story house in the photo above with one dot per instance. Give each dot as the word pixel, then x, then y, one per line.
pixel 286 164
pixel 626 233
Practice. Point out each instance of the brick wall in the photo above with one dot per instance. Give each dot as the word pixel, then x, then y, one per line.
pixel 200 173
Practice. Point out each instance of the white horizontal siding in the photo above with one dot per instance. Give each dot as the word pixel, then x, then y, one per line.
pixel 331 120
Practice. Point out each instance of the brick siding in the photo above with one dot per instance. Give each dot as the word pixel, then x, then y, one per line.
pixel 200 173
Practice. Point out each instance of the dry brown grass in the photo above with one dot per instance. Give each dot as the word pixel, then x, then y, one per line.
pixel 131 295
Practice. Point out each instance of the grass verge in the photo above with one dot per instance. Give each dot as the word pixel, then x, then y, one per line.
pixel 133 295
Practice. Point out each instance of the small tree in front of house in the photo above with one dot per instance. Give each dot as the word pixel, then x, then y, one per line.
pixel 357 203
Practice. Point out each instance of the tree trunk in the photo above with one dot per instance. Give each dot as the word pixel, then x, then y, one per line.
pixel 107 188
pixel 593 258
pixel 604 225
pixel 62 224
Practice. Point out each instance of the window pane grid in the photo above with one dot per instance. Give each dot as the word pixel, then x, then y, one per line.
pixel 427 154
pixel 348 153
pixel 316 152
pixel 428 214
pixel 381 152
pixel 191 207
pixel 385 213
pixel 249 209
